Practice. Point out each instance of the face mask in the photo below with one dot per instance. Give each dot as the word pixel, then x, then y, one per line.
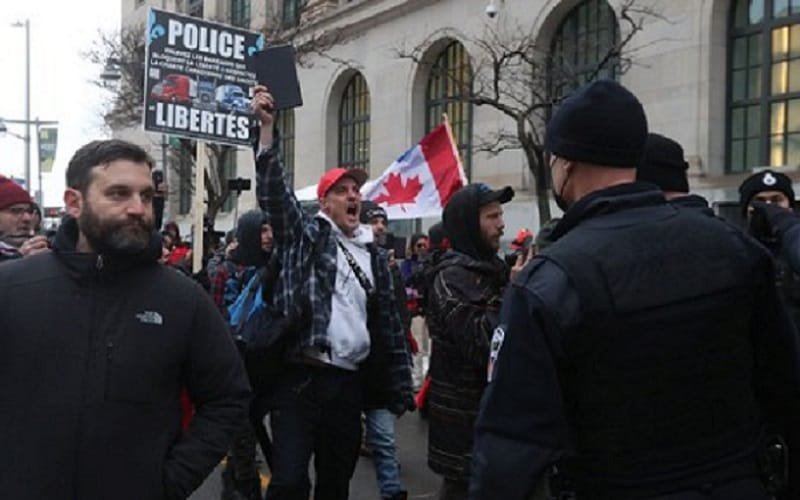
pixel 561 202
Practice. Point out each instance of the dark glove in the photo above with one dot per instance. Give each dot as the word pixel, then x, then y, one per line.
pixel 404 404
pixel 759 226
pixel 778 218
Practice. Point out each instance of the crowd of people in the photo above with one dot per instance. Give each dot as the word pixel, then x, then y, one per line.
pixel 640 347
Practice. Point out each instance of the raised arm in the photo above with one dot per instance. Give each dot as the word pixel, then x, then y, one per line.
pixel 274 195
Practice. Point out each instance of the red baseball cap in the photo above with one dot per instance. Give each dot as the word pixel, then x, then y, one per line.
pixel 334 175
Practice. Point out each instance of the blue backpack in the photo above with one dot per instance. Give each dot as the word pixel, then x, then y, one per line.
pixel 250 318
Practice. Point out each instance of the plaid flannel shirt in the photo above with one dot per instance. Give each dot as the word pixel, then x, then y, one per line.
pixel 307 251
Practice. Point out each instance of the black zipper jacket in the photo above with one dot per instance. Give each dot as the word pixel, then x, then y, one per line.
pixel 94 352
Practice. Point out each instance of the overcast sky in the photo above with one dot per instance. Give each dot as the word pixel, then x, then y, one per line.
pixel 60 79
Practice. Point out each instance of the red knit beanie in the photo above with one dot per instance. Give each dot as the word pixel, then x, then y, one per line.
pixel 12 193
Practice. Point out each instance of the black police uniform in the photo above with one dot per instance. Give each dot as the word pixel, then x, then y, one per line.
pixel 693 201
pixel 643 353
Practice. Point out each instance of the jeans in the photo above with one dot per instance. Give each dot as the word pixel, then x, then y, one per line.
pixel 380 441
pixel 316 411
pixel 419 329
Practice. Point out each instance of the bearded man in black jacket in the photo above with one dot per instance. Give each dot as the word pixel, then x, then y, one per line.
pixel 97 341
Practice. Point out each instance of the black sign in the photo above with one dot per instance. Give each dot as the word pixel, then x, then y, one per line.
pixel 276 68
pixel 239 184
pixel 197 81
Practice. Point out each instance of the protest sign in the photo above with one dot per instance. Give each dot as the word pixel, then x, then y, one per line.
pixel 197 80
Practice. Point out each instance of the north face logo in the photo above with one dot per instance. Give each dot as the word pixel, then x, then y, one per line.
pixel 150 318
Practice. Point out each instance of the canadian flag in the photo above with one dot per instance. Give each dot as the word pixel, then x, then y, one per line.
pixel 421 181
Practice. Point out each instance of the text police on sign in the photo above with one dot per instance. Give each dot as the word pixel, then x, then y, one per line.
pixel 197 82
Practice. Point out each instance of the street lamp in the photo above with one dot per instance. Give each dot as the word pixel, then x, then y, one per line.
pixel 111 73
pixel 4 130
pixel 27 138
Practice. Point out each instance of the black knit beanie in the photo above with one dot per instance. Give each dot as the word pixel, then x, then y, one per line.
pixel 663 164
pixel 766 180
pixel 369 210
pixel 602 123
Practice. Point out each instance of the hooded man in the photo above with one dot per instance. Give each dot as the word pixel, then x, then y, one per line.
pixel 644 351
pixel 251 256
pixel 231 267
pixel 462 312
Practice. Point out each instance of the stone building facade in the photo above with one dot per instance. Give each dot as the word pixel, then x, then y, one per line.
pixel 718 76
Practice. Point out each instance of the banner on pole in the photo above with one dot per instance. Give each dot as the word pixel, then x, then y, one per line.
pixel 48 140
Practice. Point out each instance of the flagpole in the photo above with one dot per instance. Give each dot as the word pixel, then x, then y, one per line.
pixel 456 151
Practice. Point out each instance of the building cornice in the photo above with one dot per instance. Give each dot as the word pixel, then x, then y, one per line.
pixel 352 18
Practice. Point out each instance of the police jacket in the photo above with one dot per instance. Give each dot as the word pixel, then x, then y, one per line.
pixel 94 352
pixel 640 352
pixel 693 201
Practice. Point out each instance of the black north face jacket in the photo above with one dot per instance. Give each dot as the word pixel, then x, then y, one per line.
pixel 94 352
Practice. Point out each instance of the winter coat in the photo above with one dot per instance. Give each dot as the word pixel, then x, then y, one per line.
pixel 94 352
pixel 462 313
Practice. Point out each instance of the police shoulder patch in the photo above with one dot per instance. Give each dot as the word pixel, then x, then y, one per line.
pixel 498 337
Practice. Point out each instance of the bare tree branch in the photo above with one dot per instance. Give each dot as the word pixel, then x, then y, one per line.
pixel 124 51
pixel 523 81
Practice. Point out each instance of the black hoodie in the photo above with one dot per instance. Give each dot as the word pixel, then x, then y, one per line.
pixel 94 353
pixel 248 235
pixel 461 221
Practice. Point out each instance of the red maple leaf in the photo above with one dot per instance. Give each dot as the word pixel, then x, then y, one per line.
pixel 399 194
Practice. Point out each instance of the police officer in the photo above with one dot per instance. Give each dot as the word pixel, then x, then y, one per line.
pixel 663 164
pixel 629 353
pixel 775 189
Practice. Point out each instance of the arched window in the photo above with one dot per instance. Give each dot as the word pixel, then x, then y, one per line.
pixel 291 12
pixel 284 122
pixel 581 43
pixel 354 124
pixel 240 13
pixel 763 84
pixel 449 86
